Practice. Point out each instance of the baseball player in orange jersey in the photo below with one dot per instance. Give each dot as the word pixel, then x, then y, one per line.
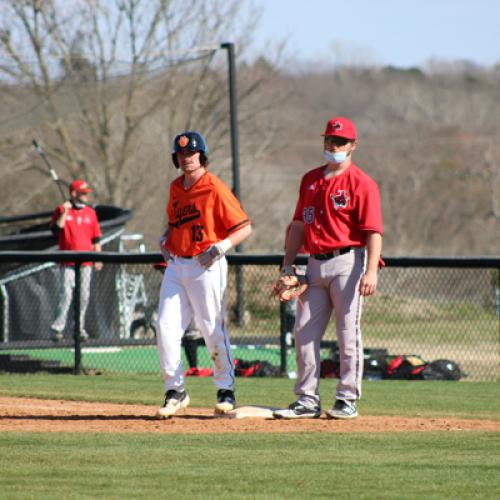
pixel 338 219
pixel 205 220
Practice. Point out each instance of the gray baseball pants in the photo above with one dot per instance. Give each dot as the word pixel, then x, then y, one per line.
pixel 66 287
pixel 333 287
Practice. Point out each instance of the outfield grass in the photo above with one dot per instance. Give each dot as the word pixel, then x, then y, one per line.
pixel 385 466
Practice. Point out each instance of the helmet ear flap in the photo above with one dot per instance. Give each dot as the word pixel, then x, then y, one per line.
pixel 175 161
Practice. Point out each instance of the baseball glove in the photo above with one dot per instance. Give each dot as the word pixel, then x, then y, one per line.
pixel 289 285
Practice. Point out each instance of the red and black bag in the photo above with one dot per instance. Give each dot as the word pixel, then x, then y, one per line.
pixel 405 367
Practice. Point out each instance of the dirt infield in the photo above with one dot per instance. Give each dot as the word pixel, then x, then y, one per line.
pixel 38 415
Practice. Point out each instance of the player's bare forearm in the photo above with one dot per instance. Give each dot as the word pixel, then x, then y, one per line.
pixel 369 280
pixel 374 250
pixel 98 248
pixel 213 253
pixel 240 235
pixel 61 220
pixel 294 241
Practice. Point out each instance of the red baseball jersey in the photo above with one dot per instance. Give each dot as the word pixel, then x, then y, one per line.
pixel 79 232
pixel 338 211
pixel 202 215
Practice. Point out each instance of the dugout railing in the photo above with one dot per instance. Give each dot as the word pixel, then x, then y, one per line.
pixel 430 307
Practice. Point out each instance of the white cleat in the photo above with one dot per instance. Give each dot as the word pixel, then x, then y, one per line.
pixel 174 401
pixel 225 402
pixel 343 410
pixel 298 410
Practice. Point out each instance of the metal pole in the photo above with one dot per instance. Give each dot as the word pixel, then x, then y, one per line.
pixel 283 340
pixel 78 326
pixel 233 110
pixel 52 172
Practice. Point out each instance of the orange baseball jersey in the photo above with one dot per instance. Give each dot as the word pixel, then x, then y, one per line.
pixel 201 216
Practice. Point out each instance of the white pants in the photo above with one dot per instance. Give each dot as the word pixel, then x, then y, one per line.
pixel 66 287
pixel 190 291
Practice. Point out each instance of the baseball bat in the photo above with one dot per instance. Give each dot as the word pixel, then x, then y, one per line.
pixel 52 172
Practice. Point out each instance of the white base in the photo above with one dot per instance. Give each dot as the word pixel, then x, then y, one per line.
pixel 264 412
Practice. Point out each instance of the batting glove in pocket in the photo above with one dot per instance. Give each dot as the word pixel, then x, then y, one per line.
pixel 163 249
pixel 207 258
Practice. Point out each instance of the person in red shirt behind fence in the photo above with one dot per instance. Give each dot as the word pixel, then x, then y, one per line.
pixel 77 228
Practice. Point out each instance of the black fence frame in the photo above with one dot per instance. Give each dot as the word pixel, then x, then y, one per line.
pixel 492 262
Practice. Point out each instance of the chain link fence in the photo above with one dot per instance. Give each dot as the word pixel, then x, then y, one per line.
pixel 432 308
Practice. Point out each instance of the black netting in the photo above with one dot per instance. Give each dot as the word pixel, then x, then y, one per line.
pixel 428 312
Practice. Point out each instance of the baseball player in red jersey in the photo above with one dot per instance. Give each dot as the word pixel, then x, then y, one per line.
pixel 338 219
pixel 77 228
pixel 205 220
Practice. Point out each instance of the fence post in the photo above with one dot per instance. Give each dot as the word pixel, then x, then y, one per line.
pixel 233 111
pixel 496 294
pixel 240 294
pixel 78 326
pixel 283 339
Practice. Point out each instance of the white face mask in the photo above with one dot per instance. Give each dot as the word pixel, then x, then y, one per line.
pixel 335 157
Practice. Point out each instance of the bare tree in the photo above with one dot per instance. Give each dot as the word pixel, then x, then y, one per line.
pixel 428 140
pixel 106 84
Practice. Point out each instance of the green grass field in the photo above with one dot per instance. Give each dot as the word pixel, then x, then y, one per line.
pixel 252 465
pixel 144 359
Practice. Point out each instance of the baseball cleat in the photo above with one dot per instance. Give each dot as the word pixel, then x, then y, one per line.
pixel 56 335
pixel 84 336
pixel 298 410
pixel 174 401
pixel 226 401
pixel 343 410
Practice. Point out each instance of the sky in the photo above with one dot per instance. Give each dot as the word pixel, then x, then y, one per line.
pixel 402 33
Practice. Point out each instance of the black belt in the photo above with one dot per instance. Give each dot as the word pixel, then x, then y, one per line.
pixel 332 254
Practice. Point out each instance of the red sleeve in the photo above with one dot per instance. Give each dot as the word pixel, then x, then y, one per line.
pixel 299 209
pixel 369 208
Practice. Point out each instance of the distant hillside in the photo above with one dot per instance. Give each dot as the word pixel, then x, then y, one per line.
pixel 432 142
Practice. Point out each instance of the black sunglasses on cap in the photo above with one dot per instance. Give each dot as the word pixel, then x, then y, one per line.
pixel 335 140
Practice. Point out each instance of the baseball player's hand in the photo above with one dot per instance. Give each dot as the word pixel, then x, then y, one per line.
pixel 65 207
pixel 166 254
pixel 287 270
pixel 98 266
pixel 368 283
pixel 207 258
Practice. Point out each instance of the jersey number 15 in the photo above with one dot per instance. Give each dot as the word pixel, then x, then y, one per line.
pixel 197 232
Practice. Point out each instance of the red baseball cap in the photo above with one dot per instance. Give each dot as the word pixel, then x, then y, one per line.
pixel 80 186
pixel 341 127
